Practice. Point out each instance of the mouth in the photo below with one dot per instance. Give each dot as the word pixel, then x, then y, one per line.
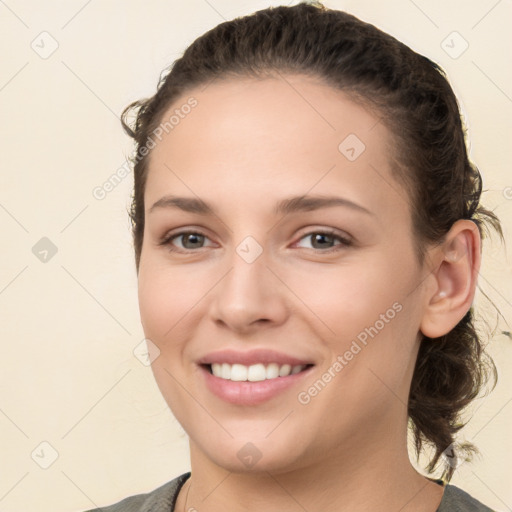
pixel 255 372
pixel 242 385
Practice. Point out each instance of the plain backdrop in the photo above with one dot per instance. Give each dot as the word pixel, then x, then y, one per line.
pixel 82 423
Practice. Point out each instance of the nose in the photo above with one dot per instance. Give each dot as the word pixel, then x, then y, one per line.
pixel 249 297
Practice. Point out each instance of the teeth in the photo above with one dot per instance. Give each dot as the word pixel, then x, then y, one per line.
pixel 272 371
pixel 226 371
pixel 255 372
pixel 239 372
pixel 285 370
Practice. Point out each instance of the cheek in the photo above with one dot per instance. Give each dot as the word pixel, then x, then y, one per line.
pixel 367 315
pixel 346 298
pixel 167 297
pixel 165 301
pixel 155 305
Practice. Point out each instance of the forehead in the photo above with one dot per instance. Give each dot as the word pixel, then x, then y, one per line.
pixel 264 137
pixel 272 108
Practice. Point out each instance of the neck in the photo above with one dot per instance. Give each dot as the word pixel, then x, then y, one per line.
pixel 363 477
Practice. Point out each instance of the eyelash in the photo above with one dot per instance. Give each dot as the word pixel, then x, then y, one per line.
pixel 344 242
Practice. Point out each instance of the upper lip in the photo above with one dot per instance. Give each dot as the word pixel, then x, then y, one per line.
pixel 250 357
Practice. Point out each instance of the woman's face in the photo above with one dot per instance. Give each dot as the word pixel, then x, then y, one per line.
pixel 278 252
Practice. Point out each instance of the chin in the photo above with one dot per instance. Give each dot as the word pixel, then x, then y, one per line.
pixel 243 455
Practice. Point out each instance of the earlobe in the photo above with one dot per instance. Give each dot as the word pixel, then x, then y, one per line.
pixel 455 278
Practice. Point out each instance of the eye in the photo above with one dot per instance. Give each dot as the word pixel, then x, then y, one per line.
pixel 325 240
pixel 189 240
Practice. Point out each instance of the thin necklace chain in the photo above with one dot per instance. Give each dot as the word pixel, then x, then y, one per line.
pixel 186 496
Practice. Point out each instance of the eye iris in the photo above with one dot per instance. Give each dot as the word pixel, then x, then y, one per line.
pixel 319 237
pixel 195 239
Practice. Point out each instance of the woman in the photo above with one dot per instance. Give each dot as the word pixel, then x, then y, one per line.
pixel 307 234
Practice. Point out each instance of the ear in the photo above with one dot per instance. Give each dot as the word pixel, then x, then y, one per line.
pixel 454 279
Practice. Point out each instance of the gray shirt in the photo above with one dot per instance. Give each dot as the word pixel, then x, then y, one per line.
pixel 163 499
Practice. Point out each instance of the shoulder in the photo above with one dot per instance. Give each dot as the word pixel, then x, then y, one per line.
pixel 457 500
pixel 161 499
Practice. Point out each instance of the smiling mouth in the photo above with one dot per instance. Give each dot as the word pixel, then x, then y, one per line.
pixel 255 372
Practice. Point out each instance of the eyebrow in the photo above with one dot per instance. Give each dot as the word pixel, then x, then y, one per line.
pixel 285 206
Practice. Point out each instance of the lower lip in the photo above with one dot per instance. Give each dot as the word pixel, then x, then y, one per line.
pixel 250 393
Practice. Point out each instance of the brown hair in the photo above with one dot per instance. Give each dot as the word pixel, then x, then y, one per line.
pixel 415 101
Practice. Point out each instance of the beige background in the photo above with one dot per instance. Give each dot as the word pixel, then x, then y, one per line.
pixel 69 326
